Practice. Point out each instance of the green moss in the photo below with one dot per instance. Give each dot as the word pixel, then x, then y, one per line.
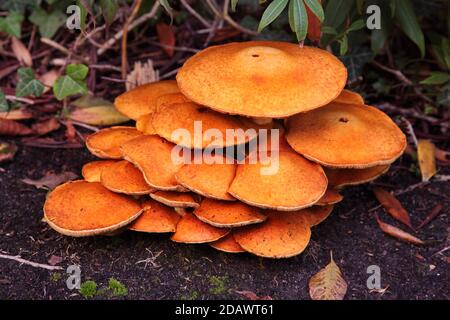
pixel 55 277
pixel 219 285
pixel 117 288
pixel 194 295
pixel 88 289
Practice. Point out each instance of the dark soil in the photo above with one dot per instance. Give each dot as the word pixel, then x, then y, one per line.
pixel 200 272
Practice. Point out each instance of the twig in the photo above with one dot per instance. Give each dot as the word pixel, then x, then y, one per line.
pixel 136 7
pixel 84 125
pixel 410 188
pixel 108 44
pixel 62 49
pixel 410 130
pixel 30 263
pixel 24 100
pixel 195 14
pixel 176 48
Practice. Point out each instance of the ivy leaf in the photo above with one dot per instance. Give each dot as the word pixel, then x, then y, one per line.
pixel 4 106
pixel 356 25
pixel 109 10
pixel 298 18
pixel 316 8
pixel 273 10
pixel 437 78
pixel 407 20
pixel 336 12
pixel 233 5
pixel 28 84
pixel 18 6
pixel 12 24
pixel 48 23
pixel 72 83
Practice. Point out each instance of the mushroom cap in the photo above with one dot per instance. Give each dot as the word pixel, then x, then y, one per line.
pixel 144 124
pixel 169 99
pixel 227 244
pixel 208 180
pixel 262 78
pixel 92 171
pixel 350 97
pixel 331 196
pixel 317 214
pixel 142 100
pixel 176 199
pixel 346 136
pixel 283 235
pixel 224 214
pixel 339 178
pixel 186 115
pixel 80 208
pixel 106 142
pixel 156 218
pixel 124 177
pixel 153 156
pixel 192 230
pixel 298 183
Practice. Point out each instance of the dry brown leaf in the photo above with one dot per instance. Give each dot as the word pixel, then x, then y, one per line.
pixel 398 233
pixel 252 296
pixel 433 214
pixel 328 283
pixel 166 37
pixel 393 206
pixel 51 180
pixel 143 72
pixel 16 114
pixel 46 126
pixel 54 260
pixel 13 128
pixel 314 25
pixel 48 79
pixel 21 52
pixel 426 158
pixel 7 151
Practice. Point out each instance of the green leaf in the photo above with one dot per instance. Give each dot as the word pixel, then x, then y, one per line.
pixel 437 78
pixel 316 8
pixel 356 25
pixel 446 51
pixel 109 10
pixel 28 84
pixel 336 12
pixel 4 106
pixel 48 23
pixel 233 5
pixel 359 6
pixel 343 45
pixel 12 24
pixel 18 6
pixel 380 36
pixel 329 30
pixel 273 10
pixel 77 71
pixel 407 20
pixel 299 18
pixel 66 86
pixel 103 115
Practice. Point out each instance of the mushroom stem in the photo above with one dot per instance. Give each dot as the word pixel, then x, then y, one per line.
pixel 262 121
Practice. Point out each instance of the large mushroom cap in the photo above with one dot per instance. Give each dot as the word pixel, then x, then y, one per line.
pixel 192 230
pixel 169 99
pixel 106 142
pixel 81 208
pixel 176 199
pixel 228 214
pixel 262 78
pixel 316 214
pixel 153 156
pixel 227 244
pixel 92 171
pixel 142 100
pixel 346 136
pixel 124 177
pixel 209 180
pixel 339 178
pixel 156 218
pixel 188 115
pixel 297 183
pixel 283 235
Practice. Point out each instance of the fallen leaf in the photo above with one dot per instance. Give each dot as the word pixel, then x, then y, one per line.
pixel 16 114
pixel 7 151
pixel 48 79
pixel 328 283
pixel 252 296
pixel 143 72
pixel 426 158
pixel 88 101
pixel 50 143
pixel 433 214
pixel 380 291
pixel 98 116
pixel 442 155
pixel 393 206
pixel 54 260
pixel 166 37
pixel 50 181
pixel 314 25
pixel 13 128
pixel 21 52
pixel 398 233
pixel 46 126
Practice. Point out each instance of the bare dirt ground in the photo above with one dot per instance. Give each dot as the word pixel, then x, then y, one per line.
pixel 200 272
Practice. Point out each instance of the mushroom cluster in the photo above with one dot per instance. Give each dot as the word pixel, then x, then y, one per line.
pixel 175 172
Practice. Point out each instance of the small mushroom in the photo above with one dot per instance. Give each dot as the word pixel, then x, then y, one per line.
pixel 176 199
pixel 106 142
pixel 142 100
pixel 350 97
pixel 92 171
pixel 339 178
pixel 227 244
pixel 331 196
pixel 156 218
pixel 169 99
pixel 316 214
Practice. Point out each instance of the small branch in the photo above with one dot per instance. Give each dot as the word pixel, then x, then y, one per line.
pixel 108 44
pixel 62 49
pixel 136 7
pixel 14 98
pixel 30 263
pixel 195 14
